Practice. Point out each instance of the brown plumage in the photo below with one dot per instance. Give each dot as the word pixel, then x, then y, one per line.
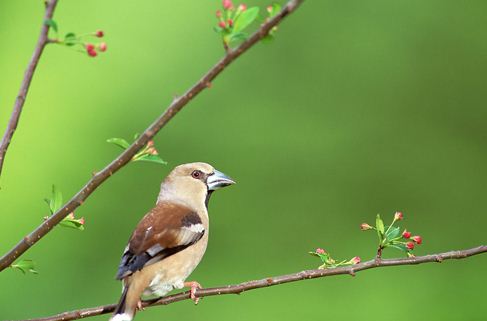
pixel 169 242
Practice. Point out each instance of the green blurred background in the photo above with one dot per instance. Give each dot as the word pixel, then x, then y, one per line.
pixel 358 107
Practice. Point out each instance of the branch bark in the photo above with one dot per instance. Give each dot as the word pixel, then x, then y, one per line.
pixel 24 87
pixel 177 104
pixel 271 281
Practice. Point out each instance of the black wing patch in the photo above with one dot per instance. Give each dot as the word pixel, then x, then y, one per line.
pixel 190 219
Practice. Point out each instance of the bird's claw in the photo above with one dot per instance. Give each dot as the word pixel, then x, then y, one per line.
pixel 139 306
pixel 192 292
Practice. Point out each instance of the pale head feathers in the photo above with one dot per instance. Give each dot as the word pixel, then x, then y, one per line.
pixel 184 184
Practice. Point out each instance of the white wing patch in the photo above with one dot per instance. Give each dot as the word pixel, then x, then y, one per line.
pixel 154 249
pixel 195 228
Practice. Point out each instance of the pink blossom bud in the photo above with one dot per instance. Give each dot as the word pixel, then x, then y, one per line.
pixel 227 4
pixel 89 47
pixel 269 9
pixel 320 251
pixel 71 216
pixel 417 239
pixel 103 47
pixel 398 216
pixel 242 7
pixel 99 33
pixel 410 245
pixel 365 227
pixel 406 234
pixel 222 24
pixel 82 221
pixel 92 53
pixel 230 22
pixel 355 260
pixel 218 13
pixel 150 143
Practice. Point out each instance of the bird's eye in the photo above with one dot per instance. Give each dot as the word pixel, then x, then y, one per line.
pixel 196 174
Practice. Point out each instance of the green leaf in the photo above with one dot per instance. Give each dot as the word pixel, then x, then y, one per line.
pixel 393 233
pixel 325 257
pixel 72 223
pixel 218 29
pixel 56 200
pixel 70 39
pixel 275 9
pixel 399 246
pixel 379 225
pixel 151 158
pixel 120 142
pixel 245 19
pixel 51 23
pixel 239 36
pixel 25 266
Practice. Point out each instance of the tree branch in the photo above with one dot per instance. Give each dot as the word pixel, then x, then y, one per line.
pixel 271 281
pixel 148 134
pixel 24 87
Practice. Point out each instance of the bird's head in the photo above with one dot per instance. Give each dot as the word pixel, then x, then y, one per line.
pixel 193 183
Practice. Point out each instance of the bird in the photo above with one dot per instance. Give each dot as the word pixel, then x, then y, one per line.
pixel 170 240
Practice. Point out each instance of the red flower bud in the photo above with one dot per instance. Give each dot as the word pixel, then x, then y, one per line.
pixel 230 22
pixel 82 221
pixel 406 234
pixel 99 33
pixel 398 216
pixel 103 47
pixel 222 24
pixel 89 47
pixel 320 251
pixel 417 239
pixel 92 53
pixel 355 260
pixel 227 4
pixel 410 245
pixel 218 13
pixel 242 7
pixel 152 151
pixel 365 227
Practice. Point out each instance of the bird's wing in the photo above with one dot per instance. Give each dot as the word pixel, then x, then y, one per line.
pixel 164 231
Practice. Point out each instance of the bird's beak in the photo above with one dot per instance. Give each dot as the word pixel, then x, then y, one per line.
pixel 218 180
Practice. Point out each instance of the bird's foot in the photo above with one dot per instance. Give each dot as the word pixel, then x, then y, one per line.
pixel 194 286
pixel 139 306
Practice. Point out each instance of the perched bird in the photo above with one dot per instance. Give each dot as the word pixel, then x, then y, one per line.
pixel 169 242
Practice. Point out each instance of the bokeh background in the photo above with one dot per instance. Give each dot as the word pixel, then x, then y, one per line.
pixel 358 108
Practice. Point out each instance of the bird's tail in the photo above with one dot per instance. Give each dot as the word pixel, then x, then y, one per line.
pixel 122 312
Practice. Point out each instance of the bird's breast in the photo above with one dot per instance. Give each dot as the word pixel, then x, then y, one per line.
pixel 171 272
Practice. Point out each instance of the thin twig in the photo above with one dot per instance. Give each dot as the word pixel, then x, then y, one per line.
pixel 271 281
pixel 148 134
pixel 24 87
